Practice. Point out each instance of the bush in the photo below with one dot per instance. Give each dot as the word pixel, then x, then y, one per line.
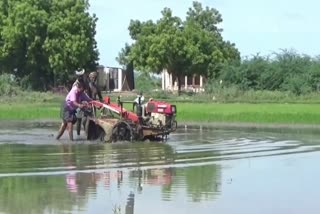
pixel 146 83
pixel 8 85
pixel 10 91
pixel 297 85
pixel 284 71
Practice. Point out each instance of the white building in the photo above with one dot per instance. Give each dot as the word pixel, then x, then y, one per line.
pixel 114 79
pixel 188 83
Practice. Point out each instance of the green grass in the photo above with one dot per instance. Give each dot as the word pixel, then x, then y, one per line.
pixel 191 112
pixel 18 111
pixel 28 105
pixel 257 113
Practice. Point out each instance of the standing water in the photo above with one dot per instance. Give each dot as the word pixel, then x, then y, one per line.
pixel 195 171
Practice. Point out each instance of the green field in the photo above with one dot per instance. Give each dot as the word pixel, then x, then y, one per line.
pixel 18 111
pixel 257 113
pixel 191 112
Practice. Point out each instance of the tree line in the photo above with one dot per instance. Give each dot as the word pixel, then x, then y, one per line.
pixel 42 42
pixel 286 70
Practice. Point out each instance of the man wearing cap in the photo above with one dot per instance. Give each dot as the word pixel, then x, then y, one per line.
pixel 93 89
pixel 90 86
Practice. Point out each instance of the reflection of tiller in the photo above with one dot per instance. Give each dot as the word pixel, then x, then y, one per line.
pixel 153 120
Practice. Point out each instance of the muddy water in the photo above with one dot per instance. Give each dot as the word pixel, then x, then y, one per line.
pixel 196 171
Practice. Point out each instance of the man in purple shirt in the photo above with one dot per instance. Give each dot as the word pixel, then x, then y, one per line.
pixel 73 101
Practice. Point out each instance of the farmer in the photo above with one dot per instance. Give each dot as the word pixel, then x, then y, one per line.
pixel 93 89
pixel 73 101
pixel 90 88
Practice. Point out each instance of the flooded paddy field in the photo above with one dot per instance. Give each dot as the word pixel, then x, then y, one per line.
pixel 196 171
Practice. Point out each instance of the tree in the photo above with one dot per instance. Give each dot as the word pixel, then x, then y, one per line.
pixel 70 42
pixel 283 71
pixel 123 56
pixel 193 46
pixel 210 51
pixel 46 39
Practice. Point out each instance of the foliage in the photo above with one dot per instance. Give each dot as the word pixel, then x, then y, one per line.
pixel 11 92
pixel 146 83
pixel 192 46
pixel 42 41
pixel 8 85
pixel 123 57
pixel 285 71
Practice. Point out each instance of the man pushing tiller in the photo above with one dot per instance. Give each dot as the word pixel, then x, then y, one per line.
pixel 91 89
pixel 76 98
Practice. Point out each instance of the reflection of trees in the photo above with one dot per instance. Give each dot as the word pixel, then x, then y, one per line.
pixel 39 194
pixel 30 194
pixel 51 193
pixel 201 182
pixel 34 194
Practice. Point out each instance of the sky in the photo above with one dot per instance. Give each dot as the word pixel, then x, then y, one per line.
pixel 255 26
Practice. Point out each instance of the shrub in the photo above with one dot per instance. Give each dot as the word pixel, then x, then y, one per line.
pixel 8 85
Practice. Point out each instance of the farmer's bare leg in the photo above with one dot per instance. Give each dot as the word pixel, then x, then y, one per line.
pixel 70 130
pixel 61 130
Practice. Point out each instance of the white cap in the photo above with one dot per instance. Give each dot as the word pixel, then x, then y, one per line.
pixel 80 72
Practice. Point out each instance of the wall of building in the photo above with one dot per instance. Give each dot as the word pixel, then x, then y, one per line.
pixel 115 79
pixel 188 83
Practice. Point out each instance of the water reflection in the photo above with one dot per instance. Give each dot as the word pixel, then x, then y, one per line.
pixel 36 194
pixel 74 186
pixel 191 172
pixel 200 182
pixel 130 204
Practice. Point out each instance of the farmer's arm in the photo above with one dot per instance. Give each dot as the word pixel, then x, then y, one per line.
pixel 85 97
